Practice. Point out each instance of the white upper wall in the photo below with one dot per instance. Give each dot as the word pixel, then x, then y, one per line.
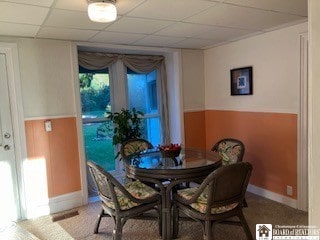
pixel 275 58
pixel 193 80
pixel 46 78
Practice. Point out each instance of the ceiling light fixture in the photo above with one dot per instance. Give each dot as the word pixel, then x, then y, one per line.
pixel 102 11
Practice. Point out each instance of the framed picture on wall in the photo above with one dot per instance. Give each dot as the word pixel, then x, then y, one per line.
pixel 241 81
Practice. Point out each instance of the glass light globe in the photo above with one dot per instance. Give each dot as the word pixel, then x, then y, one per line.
pixel 102 12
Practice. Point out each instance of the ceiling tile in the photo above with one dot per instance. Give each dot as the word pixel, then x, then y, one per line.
pixel 124 6
pixel 138 25
pixel 158 41
pixel 13 29
pixel 79 5
pixel 299 7
pixel 242 17
pixel 224 34
pixel 184 30
pixel 116 38
pixel 194 43
pixel 170 10
pixel 43 3
pixel 72 19
pixel 66 33
pixel 20 13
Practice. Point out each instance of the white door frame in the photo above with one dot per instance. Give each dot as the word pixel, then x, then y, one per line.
pixel 302 194
pixel 10 50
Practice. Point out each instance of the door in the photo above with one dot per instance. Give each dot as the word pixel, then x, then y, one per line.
pixel 9 194
pixel 97 129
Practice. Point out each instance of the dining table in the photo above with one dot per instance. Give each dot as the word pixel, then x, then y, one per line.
pixel 170 174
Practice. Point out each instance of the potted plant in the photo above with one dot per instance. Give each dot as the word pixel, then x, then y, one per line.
pixel 127 125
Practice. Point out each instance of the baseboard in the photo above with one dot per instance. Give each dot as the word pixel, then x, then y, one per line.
pixel 55 204
pixel 272 196
pixel 65 202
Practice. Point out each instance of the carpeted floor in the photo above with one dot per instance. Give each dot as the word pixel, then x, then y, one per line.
pixel 260 211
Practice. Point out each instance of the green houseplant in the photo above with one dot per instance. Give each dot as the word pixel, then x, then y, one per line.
pixel 127 125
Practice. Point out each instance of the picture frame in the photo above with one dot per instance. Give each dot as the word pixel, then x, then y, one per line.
pixel 241 81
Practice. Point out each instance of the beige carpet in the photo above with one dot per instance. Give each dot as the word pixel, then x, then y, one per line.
pixel 81 226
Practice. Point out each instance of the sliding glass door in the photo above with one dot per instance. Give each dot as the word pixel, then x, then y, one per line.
pixel 97 129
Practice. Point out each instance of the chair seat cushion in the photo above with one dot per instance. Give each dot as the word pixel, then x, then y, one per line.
pixel 201 203
pixel 137 189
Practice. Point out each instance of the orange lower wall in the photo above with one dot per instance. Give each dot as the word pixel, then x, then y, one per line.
pixel 270 140
pixel 194 129
pixel 59 148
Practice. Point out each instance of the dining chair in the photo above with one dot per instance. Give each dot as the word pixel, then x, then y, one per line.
pixel 134 146
pixel 218 198
pixel 231 151
pixel 122 202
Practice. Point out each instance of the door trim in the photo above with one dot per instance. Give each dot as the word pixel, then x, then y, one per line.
pixel 302 190
pixel 10 50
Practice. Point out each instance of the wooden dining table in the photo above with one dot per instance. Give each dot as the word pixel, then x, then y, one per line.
pixel 169 174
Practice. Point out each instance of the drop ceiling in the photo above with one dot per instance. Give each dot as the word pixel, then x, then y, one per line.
pixel 192 24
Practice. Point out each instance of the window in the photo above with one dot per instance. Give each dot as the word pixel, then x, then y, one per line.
pixel 142 94
pixel 130 88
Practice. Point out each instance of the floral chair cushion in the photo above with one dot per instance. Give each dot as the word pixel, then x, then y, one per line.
pixel 137 189
pixel 201 203
pixel 229 152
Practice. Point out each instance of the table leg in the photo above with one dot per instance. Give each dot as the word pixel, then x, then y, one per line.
pixel 166 214
pixel 167 231
pixel 169 226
